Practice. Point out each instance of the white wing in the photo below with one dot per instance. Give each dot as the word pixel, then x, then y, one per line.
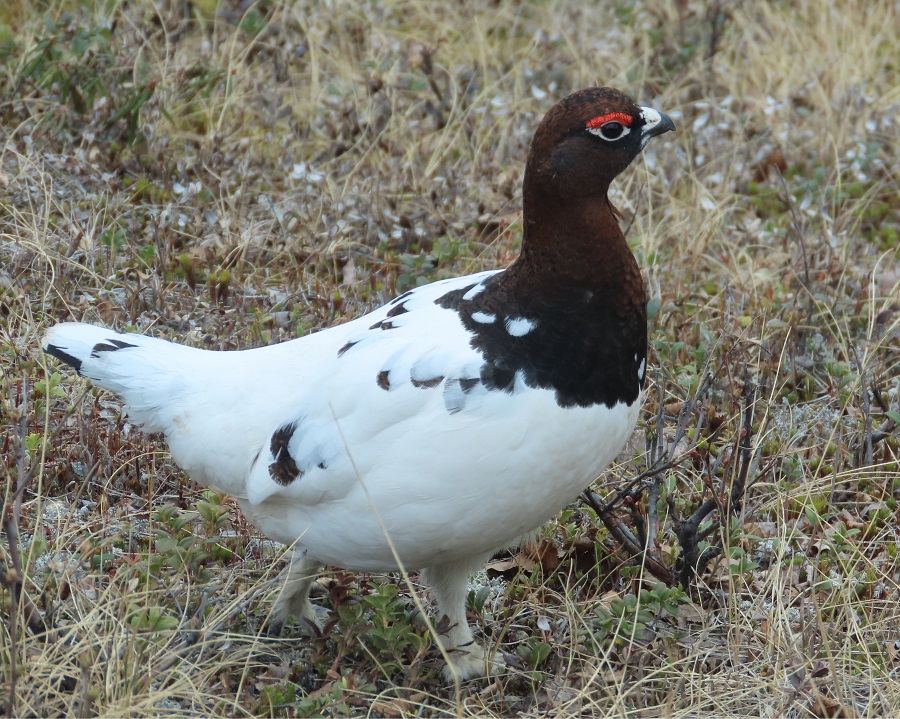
pixel 408 363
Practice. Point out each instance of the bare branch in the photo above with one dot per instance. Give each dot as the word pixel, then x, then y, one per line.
pixel 801 241
pixel 626 539
pixel 660 461
pixel 691 561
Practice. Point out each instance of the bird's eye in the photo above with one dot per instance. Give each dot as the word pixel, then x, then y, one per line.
pixel 612 130
pixel 610 127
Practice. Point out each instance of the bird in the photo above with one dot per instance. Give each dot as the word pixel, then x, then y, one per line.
pixel 442 427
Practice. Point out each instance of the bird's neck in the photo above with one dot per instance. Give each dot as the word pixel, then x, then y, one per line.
pixel 574 243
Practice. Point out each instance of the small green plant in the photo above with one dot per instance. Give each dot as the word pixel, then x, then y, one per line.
pixel 214 510
pixel 275 699
pixel 534 652
pixel 151 619
pixel 114 238
pixel 477 598
pixel 47 387
pixel 392 636
pixel 332 702
pixel 631 615
pixel 179 549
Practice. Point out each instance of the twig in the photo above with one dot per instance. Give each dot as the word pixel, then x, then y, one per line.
pixel 627 229
pixel 661 458
pixel 85 662
pixel 662 462
pixel 865 450
pixel 427 67
pixel 22 477
pixel 688 564
pixel 879 400
pixel 656 454
pixel 739 478
pixel 717 21
pixel 653 512
pixel 885 430
pixel 691 562
pixel 866 453
pixel 12 579
pixel 625 538
pixel 801 240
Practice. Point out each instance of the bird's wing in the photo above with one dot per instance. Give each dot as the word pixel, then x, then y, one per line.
pixel 408 364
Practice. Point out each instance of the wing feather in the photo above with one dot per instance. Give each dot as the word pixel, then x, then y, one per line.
pixel 387 368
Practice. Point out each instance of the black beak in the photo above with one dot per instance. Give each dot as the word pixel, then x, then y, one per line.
pixel 655 123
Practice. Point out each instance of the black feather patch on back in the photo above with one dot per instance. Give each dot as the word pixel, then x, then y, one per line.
pixel 427 383
pixel 110 346
pixel 398 310
pixel 399 298
pixel 64 356
pixel 346 347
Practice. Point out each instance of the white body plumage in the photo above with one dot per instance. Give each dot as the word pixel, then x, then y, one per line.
pixel 449 474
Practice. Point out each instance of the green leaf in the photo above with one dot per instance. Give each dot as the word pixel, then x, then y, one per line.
pixel 165 545
pixel 33 441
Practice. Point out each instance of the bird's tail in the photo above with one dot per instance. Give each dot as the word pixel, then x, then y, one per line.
pixel 150 374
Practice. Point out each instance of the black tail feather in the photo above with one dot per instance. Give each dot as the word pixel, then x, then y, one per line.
pixel 63 356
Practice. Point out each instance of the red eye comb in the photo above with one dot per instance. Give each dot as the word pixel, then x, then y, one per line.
pixel 610 117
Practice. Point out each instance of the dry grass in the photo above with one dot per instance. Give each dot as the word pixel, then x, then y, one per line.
pixel 235 174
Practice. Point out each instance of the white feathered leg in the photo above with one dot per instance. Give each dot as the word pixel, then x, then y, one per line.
pixel 295 580
pixel 448 582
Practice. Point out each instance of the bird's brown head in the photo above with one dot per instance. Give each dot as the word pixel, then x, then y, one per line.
pixel 585 140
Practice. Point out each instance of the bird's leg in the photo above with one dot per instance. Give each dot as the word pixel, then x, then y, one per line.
pixel 296 579
pixel 448 583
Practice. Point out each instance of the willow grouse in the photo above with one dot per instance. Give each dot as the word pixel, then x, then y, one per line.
pixel 453 420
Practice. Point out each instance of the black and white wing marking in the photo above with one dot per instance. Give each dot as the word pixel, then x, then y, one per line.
pixel 410 361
